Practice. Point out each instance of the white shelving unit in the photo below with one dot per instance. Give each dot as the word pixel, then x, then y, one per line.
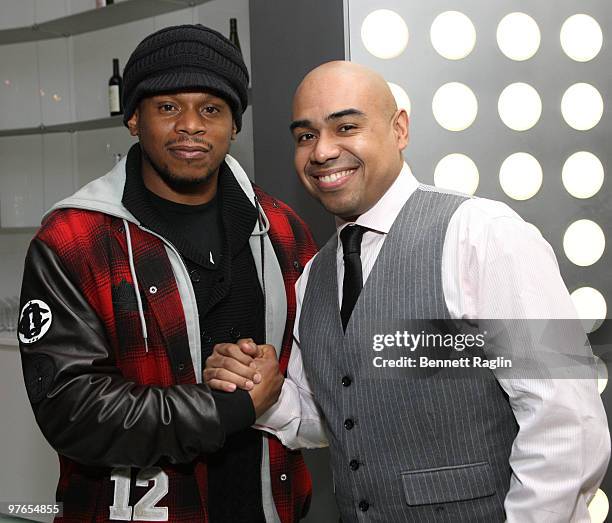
pixel 55 134
pixel 94 20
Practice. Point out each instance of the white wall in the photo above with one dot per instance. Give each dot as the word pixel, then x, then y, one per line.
pixel 63 80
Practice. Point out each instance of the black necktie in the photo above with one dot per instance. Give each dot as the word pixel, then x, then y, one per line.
pixel 353 278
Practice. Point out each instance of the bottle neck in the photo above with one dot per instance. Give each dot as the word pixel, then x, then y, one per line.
pixel 115 67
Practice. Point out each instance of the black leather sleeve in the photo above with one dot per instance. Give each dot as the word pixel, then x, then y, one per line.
pixel 84 406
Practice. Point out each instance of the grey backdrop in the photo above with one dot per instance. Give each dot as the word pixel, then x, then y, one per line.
pixel 287 40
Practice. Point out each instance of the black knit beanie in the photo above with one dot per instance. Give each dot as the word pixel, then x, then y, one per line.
pixel 182 58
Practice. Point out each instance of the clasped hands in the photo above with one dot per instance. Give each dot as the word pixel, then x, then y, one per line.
pixel 247 366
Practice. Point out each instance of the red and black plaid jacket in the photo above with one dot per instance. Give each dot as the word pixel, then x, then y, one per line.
pixel 128 421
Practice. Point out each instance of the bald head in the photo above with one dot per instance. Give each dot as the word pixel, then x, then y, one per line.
pixel 345 77
pixel 349 136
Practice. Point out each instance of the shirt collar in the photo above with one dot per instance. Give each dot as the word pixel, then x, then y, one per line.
pixel 384 212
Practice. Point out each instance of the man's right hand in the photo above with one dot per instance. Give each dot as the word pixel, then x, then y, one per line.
pixel 266 393
pixel 233 365
pixel 247 366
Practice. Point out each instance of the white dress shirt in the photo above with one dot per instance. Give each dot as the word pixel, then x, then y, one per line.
pixel 494 265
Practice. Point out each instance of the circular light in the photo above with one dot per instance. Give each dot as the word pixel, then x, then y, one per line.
pixel 457 172
pixel 384 34
pixel 583 174
pixel 519 106
pixel 602 374
pixel 453 35
pixel 584 242
pixel 591 307
pixel 455 106
pixel 581 38
pixel 518 36
pixel 520 176
pixel 599 507
pixel 582 106
pixel 401 98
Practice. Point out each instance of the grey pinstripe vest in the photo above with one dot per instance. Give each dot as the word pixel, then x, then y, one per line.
pixel 403 449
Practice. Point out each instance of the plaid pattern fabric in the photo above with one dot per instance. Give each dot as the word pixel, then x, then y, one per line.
pixel 93 250
pixel 294 246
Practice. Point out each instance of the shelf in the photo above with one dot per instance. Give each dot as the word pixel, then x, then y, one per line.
pixel 87 125
pixel 71 127
pixel 94 19
pixel 7 340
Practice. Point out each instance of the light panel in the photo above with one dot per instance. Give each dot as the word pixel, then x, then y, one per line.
pixel 602 374
pixel 519 106
pixel 384 34
pixel 518 36
pixel 599 507
pixel 591 307
pixel 453 35
pixel 582 106
pixel 583 174
pixel 401 97
pixel 455 106
pixel 581 37
pixel 584 242
pixel 520 176
pixel 457 172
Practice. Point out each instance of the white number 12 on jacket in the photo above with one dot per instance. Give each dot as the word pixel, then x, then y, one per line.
pixel 145 509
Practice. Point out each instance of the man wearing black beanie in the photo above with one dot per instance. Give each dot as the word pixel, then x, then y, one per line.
pixel 131 282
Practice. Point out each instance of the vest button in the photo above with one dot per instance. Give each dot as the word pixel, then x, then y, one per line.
pixel 349 424
pixel 181 366
pixel 283 477
pixel 235 333
pixel 346 381
pixel 364 505
pixel 354 464
pixel 195 276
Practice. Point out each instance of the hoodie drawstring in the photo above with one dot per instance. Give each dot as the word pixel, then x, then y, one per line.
pixel 143 324
pixel 262 219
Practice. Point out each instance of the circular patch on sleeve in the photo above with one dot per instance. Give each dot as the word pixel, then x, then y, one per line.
pixel 34 321
pixel 38 373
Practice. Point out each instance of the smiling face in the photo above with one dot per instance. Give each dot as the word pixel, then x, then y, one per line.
pixel 184 138
pixel 348 137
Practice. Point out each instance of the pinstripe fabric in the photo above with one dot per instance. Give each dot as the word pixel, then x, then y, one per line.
pixel 430 449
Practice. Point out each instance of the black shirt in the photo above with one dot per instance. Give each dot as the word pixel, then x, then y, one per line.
pixel 199 224
pixel 213 240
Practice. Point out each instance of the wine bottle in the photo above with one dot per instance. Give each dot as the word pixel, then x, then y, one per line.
pixel 234 33
pixel 115 88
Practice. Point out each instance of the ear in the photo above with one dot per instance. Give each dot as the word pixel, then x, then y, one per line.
pixel 400 128
pixel 132 123
pixel 234 132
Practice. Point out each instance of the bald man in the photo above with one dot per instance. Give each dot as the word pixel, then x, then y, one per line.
pixel 415 444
